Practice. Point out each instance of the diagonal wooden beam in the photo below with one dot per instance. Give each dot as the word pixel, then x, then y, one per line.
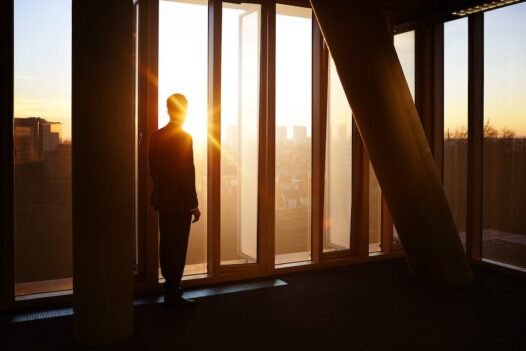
pixel 371 75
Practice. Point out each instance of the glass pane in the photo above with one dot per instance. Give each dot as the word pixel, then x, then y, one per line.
pixel 239 132
pixel 405 48
pixel 456 119
pixel 293 133
pixel 183 57
pixel 338 167
pixel 42 136
pixel 504 150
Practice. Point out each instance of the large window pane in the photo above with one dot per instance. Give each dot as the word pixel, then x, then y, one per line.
pixel 42 136
pixel 293 133
pixel 504 150
pixel 456 119
pixel 338 167
pixel 405 48
pixel 183 54
pixel 404 44
pixel 239 132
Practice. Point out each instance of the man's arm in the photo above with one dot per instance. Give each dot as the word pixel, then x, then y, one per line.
pixel 152 159
pixel 152 152
pixel 191 189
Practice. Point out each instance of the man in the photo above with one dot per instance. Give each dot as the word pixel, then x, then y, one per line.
pixel 174 196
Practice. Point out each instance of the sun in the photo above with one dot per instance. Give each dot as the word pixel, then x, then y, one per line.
pixel 197 126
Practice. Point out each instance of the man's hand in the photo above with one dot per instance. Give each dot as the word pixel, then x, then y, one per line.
pixel 197 214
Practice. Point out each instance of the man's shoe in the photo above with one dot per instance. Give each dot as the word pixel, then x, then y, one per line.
pixel 178 302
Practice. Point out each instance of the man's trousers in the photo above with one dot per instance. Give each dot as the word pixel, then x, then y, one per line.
pixel 174 230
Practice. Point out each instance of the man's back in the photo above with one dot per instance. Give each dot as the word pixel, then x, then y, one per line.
pixel 172 169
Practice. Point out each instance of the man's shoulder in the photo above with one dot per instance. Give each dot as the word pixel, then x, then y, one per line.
pixel 185 135
pixel 169 133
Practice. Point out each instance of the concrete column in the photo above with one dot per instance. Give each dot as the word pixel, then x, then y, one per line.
pixel 371 75
pixel 103 170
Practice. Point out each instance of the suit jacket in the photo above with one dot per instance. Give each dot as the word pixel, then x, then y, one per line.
pixel 172 170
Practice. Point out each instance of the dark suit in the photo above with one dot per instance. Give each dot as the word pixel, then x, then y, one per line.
pixel 174 197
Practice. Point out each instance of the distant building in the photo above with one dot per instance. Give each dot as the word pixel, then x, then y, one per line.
pixel 34 137
pixel 300 135
pixel 281 134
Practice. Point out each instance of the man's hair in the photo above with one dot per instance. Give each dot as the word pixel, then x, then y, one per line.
pixel 176 103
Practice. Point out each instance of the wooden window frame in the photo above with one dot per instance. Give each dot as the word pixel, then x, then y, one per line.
pixel 7 283
pixel 475 135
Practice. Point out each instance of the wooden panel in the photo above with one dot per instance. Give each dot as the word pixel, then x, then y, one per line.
pixel 148 122
pixel 475 134
pixel 319 125
pixel 214 134
pixel 271 134
pixel 360 197
pixel 429 82
pixel 6 153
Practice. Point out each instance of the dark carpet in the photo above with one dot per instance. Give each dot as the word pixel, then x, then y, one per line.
pixel 374 306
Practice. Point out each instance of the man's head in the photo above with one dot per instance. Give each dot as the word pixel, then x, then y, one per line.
pixel 176 105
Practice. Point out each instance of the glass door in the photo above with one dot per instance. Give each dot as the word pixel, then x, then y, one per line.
pixel 240 133
pixel 293 140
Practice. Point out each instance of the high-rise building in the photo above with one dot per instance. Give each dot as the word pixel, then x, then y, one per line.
pixel 299 135
pixel 33 137
pixel 281 134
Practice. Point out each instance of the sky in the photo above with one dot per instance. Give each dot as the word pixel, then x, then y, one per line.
pixel 43 61
pixel 43 65
pixel 456 74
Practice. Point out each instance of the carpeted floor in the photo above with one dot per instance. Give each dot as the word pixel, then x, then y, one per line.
pixel 373 306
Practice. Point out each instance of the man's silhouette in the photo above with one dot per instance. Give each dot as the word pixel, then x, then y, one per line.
pixel 174 196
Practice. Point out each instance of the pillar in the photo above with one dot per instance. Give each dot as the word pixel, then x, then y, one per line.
pixel 103 170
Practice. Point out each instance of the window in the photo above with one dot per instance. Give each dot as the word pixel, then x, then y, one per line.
pixel 456 119
pixel 183 54
pixel 42 146
pixel 293 133
pixel 240 71
pixel 405 48
pixel 504 148
pixel 338 167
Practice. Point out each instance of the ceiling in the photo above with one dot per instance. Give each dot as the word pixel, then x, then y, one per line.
pixel 409 10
